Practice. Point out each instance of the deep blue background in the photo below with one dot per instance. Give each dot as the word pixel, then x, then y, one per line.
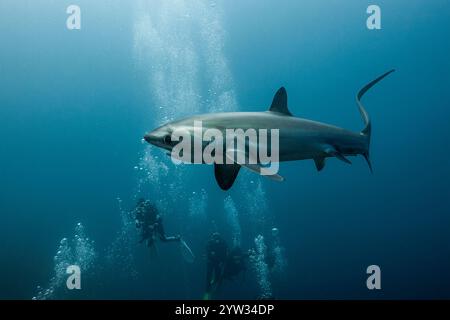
pixel 75 104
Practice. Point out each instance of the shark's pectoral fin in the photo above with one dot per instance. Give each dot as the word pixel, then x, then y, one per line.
pixel 320 163
pixel 255 168
pixel 226 174
pixel 334 153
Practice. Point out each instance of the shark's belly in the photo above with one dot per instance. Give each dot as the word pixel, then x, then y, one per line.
pixel 310 145
pixel 298 148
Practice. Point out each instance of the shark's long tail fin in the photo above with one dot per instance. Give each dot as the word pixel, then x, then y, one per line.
pixel 368 127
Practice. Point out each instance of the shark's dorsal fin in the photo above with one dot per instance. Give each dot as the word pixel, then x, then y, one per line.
pixel 279 103
pixel 226 174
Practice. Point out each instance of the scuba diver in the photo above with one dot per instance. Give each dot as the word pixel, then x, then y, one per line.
pixel 216 256
pixel 235 263
pixel 222 263
pixel 149 221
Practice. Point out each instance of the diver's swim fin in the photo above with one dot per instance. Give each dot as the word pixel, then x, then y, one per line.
pixel 186 252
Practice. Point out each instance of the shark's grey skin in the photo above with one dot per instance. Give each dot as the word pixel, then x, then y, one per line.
pixel 299 139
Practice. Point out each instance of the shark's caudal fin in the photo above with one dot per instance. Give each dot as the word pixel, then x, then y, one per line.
pixel 279 102
pixel 368 127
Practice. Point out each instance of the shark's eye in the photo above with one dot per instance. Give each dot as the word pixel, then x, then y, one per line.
pixel 167 139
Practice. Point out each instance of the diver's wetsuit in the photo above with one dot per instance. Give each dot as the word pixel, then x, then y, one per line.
pixel 235 263
pixel 150 222
pixel 159 230
pixel 216 251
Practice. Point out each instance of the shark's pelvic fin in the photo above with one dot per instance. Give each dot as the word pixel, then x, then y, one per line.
pixel 226 174
pixel 256 168
pixel 320 163
pixel 253 167
pixel 279 102
pixel 334 153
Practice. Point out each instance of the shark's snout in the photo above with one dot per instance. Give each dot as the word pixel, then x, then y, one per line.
pixel 149 137
pixel 158 137
pixel 154 138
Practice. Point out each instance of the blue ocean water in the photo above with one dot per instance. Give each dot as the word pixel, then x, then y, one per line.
pixel 76 103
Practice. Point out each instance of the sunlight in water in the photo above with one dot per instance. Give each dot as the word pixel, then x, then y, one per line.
pixel 197 206
pixel 258 259
pixel 120 254
pixel 278 252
